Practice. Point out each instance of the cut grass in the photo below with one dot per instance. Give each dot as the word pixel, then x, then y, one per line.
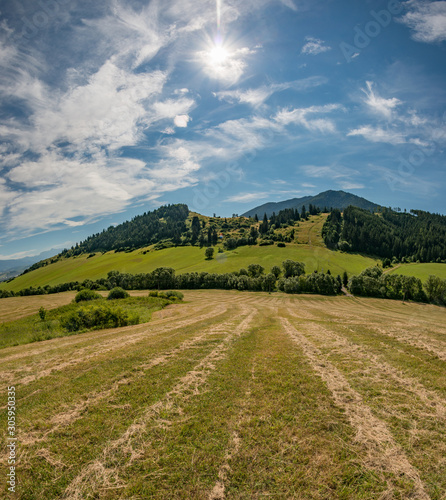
pixel 214 397
pixel 34 329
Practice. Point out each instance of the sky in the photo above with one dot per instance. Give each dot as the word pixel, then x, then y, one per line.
pixel 109 109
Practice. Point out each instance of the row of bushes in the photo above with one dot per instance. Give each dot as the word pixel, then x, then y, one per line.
pixel 290 278
pixel 372 282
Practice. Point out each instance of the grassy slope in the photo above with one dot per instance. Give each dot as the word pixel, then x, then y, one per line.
pixel 421 271
pixel 189 259
pixel 217 395
pixel 308 248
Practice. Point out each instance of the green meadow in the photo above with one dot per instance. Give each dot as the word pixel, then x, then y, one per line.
pixel 421 271
pixel 189 259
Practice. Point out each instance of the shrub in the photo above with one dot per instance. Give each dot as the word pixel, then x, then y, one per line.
pixel 85 295
pixel 42 313
pixel 173 294
pixel 97 317
pixel 117 293
pixel 281 244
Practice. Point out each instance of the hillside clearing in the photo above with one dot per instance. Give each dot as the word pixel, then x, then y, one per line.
pixel 236 395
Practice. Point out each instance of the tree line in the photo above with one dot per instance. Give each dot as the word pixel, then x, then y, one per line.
pixel 416 236
pixel 289 278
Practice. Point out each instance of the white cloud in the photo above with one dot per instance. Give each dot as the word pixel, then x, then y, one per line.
pixel 299 116
pixel 378 135
pixel 181 120
pixel 168 131
pixel 290 4
pixel 314 46
pixel 351 185
pixel 418 142
pixel 19 255
pixel 256 97
pixel 378 104
pixel 55 190
pixel 246 197
pixel 171 108
pixel 328 171
pixel 427 20
pixel 176 169
pixel 105 112
pixel 224 64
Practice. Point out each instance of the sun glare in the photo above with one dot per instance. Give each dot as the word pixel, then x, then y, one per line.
pixel 218 55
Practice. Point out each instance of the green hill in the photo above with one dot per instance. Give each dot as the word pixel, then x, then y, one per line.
pixel 178 239
pixel 188 259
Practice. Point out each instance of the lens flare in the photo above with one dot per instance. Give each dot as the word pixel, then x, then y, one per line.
pixel 218 14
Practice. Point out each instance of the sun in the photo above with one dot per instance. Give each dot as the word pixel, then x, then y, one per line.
pixel 218 55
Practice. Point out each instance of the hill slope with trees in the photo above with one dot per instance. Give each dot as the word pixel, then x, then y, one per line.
pixel 417 236
pixel 328 199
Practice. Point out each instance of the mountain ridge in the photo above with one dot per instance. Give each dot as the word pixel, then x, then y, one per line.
pixel 330 199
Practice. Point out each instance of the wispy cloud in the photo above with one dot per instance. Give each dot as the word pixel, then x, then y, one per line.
pixel 378 134
pixel 328 171
pixel 314 46
pixel 378 104
pixel 300 116
pixel 408 183
pixel 344 177
pixel 246 197
pixel 257 96
pixel 427 20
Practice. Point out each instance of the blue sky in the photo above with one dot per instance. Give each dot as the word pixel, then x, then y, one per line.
pixel 109 109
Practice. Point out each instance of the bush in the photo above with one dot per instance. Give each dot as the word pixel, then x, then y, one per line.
pixel 97 317
pixel 117 293
pixel 42 313
pixel 170 295
pixel 173 294
pixel 86 295
pixel 281 244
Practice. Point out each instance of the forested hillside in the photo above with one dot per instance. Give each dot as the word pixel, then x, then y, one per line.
pixel 407 237
pixel 331 199
pixel 167 222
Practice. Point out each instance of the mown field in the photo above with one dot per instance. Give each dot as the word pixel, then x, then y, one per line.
pixel 235 395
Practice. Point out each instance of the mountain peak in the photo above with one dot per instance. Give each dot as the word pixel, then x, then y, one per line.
pixel 330 198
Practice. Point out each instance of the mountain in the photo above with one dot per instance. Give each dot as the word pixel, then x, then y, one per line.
pixel 329 199
pixel 9 268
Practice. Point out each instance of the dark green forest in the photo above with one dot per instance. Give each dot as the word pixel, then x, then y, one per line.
pixel 417 236
pixel 166 223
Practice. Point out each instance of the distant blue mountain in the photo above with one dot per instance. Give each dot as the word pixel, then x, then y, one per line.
pixel 13 267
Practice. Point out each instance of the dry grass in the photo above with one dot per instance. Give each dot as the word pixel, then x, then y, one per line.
pixel 235 395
